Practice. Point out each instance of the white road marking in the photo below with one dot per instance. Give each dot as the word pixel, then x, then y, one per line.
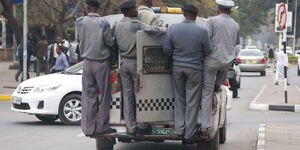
pixel 259 93
pixel 261 137
pixel 297 88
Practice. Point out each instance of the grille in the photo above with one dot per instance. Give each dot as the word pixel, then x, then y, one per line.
pixel 23 106
pixel 156 61
pixel 25 90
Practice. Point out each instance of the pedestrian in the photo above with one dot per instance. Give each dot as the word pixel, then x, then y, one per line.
pixel 42 56
pixel 281 61
pixel 146 14
pixel 231 76
pixel 95 39
pixel 30 52
pixel 188 44
pixel 61 63
pixel 224 36
pixel 125 34
pixel 270 54
pixel 65 45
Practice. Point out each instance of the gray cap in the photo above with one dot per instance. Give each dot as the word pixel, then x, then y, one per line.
pixel 127 5
pixel 225 3
pixel 94 3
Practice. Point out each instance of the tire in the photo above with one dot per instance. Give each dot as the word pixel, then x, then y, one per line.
pixel 263 73
pixel 239 84
pixel 223 132
pixel 70 109
pixel 47 118
pixel 298 71
pixel 210 145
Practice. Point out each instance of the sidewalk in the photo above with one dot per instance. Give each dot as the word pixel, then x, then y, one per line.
pixel 7 81
pixel 271 97
pixel 278 137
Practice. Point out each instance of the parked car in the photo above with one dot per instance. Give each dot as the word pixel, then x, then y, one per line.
pixel 252 61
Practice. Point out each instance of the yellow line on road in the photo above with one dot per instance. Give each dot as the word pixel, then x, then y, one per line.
pixel 5 97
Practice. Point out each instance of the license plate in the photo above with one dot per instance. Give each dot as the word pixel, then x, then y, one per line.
pixel 162 131
pixel 17 100
pixel 250 61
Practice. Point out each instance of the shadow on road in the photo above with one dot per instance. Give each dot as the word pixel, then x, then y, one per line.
pixel 156 146
pixel 40 123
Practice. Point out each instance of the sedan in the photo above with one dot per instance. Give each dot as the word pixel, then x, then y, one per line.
pixel 252 60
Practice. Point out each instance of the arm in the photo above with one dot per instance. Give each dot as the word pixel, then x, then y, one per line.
pixel 65 61
pixel 209 27
pixel 206 43
pixel 238 43
pixel 168 45
pixel 107 33
pixel 148 29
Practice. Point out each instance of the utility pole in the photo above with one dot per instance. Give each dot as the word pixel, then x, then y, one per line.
pixel 25 28
pixel 295 25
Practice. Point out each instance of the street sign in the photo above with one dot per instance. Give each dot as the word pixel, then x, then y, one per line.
pixel 281 17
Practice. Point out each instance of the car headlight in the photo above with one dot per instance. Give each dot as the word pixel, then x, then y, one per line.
pixel 48 87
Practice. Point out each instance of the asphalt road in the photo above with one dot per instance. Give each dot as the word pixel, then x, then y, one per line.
pixel 21 131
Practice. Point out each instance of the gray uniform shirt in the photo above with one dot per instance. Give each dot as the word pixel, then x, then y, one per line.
pixel 95 37
pixel 188 44
pixel 224 36
pixel 125 34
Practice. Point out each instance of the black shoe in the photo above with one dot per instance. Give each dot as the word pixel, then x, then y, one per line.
pixel 108 131
pixel 147 131
pixel 235 97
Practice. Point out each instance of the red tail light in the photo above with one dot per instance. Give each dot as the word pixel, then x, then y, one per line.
pixel 239 60
pixel 227 83
pixel 263 61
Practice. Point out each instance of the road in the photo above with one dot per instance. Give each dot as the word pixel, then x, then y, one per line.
pixel 21 131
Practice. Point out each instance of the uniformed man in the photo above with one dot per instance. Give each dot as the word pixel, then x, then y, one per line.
pixel 125 34
pixel 188 44
pixel 224 36
pixel 146 14
pixel 95 37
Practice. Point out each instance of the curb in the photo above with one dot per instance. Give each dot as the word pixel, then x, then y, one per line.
pixel 5 97
pixel 266 107
pixel 261 137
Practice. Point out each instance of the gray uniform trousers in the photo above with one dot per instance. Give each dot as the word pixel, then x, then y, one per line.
pixel 187 87
pixel 95 110
pixel 129 86
pixel 211 77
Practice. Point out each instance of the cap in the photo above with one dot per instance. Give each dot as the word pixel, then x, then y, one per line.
pixel 225 3
pixel 191 9
pixel 93 3
pixel 127 5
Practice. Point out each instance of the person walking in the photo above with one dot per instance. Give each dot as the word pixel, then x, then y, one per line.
pixel 224 36
pixel 271 54
pixel 146 14
pixel 188 44
pixel 42 56
pixel 95 38
pixel 61 63
pixel 30 53
pixel 125 34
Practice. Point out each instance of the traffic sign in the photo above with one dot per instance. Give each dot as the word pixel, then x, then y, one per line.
pixel 281 17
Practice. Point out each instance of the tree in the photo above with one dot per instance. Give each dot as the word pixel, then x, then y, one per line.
pixel 12 20
pixel 56 11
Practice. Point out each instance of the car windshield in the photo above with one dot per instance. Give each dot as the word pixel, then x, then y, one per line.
pixel 250 53
pixel 74 70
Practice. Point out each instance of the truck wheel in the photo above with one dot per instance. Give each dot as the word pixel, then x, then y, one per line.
pixel 47 118
pixel 105 144
pixel 70 109
pixel 223 132
pixel 239 84
pixel 210 145
pixel 263 73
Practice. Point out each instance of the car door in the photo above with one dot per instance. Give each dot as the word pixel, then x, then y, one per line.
pixel 155 96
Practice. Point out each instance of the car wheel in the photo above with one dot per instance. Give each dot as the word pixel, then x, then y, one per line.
pixel 70 109
pixel 47 118
pixel 263 73
pixel 223 132
pixel 239 83
pixel 298 72
pixel 210 145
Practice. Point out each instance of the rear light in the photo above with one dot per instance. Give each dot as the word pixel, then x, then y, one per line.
pixel 263 61
pixel 227 83
pixel 239 60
